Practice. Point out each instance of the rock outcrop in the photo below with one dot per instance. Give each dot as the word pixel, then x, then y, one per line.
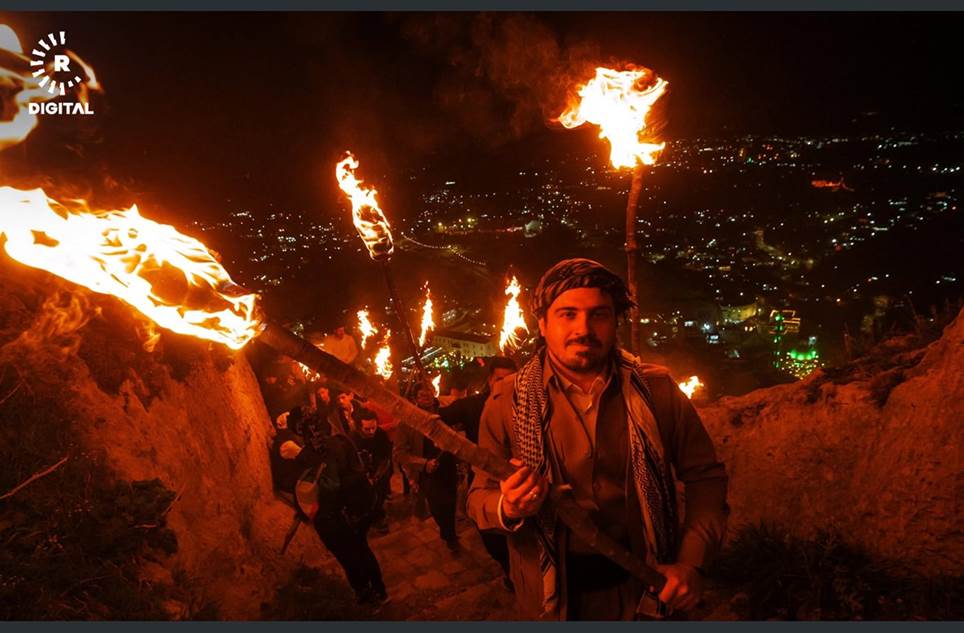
pixel 188 413
pixel 872 450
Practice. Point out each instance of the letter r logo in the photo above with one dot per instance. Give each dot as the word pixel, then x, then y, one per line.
pixel 61 63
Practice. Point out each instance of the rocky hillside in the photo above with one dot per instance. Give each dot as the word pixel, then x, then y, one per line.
pixel 76 382
pixel 148 495
pixel 872 450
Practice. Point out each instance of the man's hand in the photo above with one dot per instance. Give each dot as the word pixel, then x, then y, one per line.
pixel 290 450
pixel 684 586
pixel 431 465
pixel 522 492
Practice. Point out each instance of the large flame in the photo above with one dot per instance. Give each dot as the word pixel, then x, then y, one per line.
pixel 365 327
pixel 24 79
pixel 512 320
pixel 428 324
pixel 369 220
pixel 171 278
pixel 690 386
pixel 618 102
pixel 383 359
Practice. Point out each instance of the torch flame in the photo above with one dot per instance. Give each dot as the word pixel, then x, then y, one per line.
pixel 365 327
pixel 437 384
pixel 310 374
pixel 369 220
pixel 512 321
pixel 618 102
pixel 383 359
pixel 171 278
pixel 690 386
pixel 428 324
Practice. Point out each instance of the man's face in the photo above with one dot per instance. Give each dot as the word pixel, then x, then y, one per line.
pixel 368 427
pixel 580 329
pixel 425 397
pixel 497 375
pixel 340 331
pixel 344 401
pixel 324 395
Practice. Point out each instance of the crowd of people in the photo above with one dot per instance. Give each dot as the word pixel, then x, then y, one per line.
pixel 582 413
pixel 346 451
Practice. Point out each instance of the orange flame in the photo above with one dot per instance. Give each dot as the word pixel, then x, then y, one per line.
pixel 690 386
pixel 428 324
pixel 365 327
pixel 171 278
pixel 512 321
pixel 618 102
pixel 383 359
pixel 369 220
pixel 310 374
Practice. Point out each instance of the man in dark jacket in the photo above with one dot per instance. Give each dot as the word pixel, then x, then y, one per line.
pixel 284 472
pixel 346 508
pixel 434 470
pixel 375 450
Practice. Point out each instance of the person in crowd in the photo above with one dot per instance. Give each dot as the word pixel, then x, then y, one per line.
pixel 375 450
pixel 284 472
pixel 346 507
pixel 342 413
pixel 458 388
pixel 341 345
pixel 433 470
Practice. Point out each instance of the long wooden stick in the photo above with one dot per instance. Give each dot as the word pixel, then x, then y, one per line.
pixel 632 253
pixel 432 427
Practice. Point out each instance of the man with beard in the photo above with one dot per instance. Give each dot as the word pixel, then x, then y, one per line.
pixel 584 413
pixel 375 450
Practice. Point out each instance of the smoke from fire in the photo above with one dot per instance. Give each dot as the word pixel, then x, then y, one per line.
pixel 508 74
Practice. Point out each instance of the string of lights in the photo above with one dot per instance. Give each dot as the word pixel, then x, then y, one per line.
pixel 452 249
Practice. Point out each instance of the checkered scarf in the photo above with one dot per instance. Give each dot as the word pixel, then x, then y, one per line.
pixel 531 412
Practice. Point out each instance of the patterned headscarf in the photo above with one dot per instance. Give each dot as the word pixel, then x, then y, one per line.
pixel 579 273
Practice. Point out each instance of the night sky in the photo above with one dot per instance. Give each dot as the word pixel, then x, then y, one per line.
pixel 206 112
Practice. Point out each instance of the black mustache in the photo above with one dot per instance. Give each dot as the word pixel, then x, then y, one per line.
pixel 590 341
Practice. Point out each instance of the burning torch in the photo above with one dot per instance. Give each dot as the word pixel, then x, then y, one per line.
pixel 176 281
pixel 619 102
pixel 376 233
pixel 512 318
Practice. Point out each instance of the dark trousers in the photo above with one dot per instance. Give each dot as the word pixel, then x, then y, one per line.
pixel 440 492
pixel 382 488
pixel 349 546
pixel 497 545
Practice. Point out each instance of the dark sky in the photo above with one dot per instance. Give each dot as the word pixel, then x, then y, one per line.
pixel 200 109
